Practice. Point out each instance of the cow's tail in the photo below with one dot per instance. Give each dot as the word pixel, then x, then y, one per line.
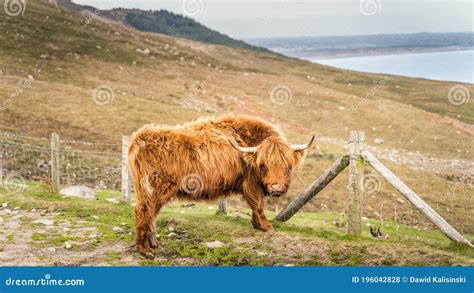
pixel 139 170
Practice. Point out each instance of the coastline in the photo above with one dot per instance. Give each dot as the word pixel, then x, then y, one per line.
pixel 314 57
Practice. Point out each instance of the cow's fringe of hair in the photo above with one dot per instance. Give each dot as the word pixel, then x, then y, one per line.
pixel 276 151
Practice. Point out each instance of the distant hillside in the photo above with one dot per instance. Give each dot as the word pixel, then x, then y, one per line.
pixel 167 23
pixel 367 44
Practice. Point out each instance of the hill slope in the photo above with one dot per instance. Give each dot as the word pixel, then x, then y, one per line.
pixel 53 61
pixel 167 23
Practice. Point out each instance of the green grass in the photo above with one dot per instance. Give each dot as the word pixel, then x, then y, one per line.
pixel 320 242
pixel 112 256
pixel 38 236
pixel 10 238
pixel 60 240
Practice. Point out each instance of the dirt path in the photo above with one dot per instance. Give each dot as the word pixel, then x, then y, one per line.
pixel 35 238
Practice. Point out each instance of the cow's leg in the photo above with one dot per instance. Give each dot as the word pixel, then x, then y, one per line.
pixel 259 221
pixel 161 200
pixel 144 218
pixel 146 211
pixel 254 196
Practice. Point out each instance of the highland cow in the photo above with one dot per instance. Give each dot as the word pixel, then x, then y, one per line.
pixel 208 159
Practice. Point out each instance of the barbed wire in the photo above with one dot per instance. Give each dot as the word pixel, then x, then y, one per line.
pixel 24 145
pixel 45 139
pixel 11 134
pixel 109 154
pixel 88 142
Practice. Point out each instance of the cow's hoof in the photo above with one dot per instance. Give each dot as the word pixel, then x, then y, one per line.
pixel 266 226
pixel 263 225
pixel 149 254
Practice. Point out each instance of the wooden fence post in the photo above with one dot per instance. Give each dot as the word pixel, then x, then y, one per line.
pixel 55 162
pixel 298 202
pixel 222 208
pixel 126 178
pixel 356 183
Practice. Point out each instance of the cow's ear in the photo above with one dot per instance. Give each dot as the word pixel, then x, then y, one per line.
pixel 299 157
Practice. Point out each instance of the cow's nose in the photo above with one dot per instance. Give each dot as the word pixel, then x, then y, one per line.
pixel 276 187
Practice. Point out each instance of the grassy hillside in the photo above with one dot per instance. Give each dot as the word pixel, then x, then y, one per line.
pixel 66 231
pixel 158 78
pixel 70 58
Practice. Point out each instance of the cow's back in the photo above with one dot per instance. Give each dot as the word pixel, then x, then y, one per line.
pixel 198 150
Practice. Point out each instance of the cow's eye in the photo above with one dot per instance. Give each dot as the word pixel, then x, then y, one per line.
pixel 263 168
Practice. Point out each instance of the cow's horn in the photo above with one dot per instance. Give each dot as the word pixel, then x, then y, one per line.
pixel 302 147
pixel 243 149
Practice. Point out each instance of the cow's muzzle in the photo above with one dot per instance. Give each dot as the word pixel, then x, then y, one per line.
pixel 273 193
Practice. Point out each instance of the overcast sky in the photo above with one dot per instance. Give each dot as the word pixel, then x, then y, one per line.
pixel 283 18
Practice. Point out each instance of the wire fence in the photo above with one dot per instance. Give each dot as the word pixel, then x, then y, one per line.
pixel 100 165
pixel 447 186
pixel 450 193
pixel 24 158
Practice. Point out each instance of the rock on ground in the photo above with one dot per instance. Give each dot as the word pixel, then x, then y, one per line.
pixel 78 191
pixel 44 222
pixel 214 244
pixel 117 229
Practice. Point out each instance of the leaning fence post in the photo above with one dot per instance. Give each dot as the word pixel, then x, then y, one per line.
pixel 222 208
pixel 55 162
pixel 356 183
pixel 126 179
pixel 311 191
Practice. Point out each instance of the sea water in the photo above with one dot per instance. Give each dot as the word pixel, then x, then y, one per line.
pixel 450 65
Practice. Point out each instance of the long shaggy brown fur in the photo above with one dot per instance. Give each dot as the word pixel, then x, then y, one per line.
pixel 196 161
